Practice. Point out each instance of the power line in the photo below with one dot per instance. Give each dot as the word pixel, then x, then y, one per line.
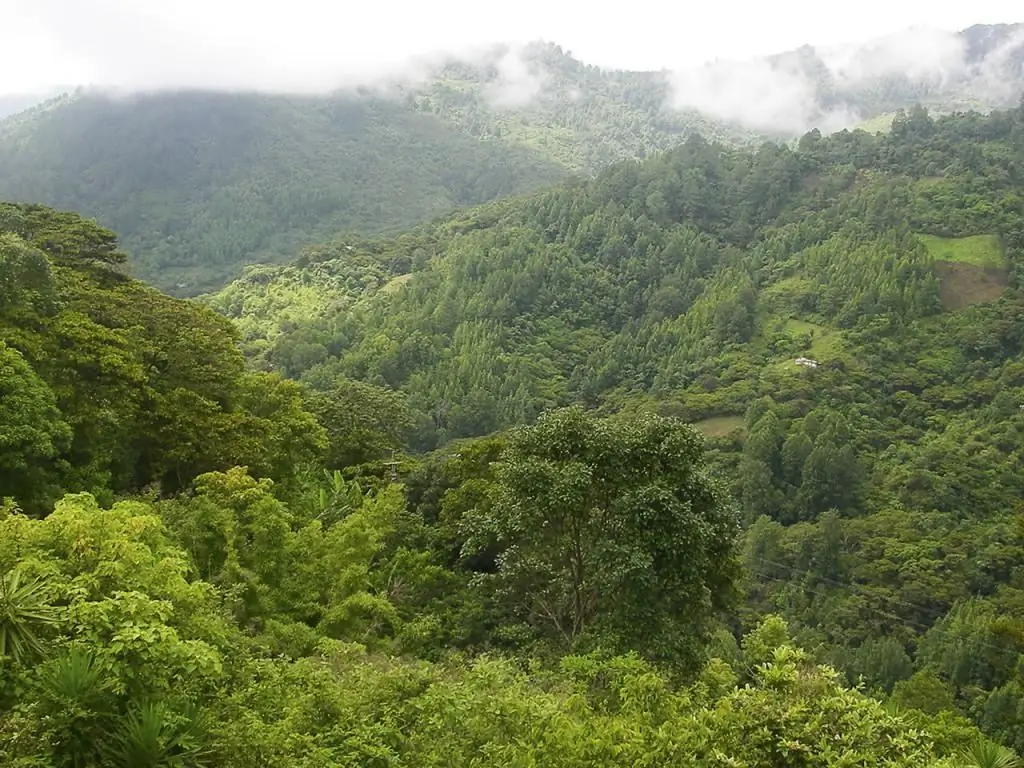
pixel 857 589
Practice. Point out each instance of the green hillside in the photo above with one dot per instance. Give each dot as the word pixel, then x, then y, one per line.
pixel 201 183
pixel 712 459
pixel 654 278
pixel 186 580
pixel 879 489
pixel 580 115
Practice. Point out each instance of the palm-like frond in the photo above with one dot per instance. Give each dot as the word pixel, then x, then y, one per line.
pixel 74 678
pixel 73 694
pixel 987 754
pixel 155 737
pixel 24 610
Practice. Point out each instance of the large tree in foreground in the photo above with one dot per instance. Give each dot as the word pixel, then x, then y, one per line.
pixel 611 533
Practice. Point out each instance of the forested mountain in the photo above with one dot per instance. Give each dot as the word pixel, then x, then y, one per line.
pixel 12 104
pixel 200 183
pixel 553 597
pixel 450 511
pixel 842 319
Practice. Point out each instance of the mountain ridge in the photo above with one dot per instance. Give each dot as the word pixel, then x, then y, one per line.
pixel 201 183
pixel 812 309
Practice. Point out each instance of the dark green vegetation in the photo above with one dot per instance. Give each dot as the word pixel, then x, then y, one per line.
pixel 408 553
pixel 110 386
pixel 880 490
pixel 201 183
pixel 206 594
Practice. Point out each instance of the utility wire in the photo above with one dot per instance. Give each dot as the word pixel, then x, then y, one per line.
pixel 858 589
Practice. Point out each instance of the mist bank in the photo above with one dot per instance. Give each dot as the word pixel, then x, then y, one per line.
pixel 828 88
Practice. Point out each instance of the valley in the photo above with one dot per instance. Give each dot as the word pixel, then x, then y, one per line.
pixel 522 415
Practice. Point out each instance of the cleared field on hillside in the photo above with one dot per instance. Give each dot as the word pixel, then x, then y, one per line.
pixel 825 342
pixel 961 285
pixel 719 426
pixel 971 270
pixel 977 250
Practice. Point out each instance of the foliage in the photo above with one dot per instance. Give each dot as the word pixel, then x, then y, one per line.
pixel 23 610
pixel 880 488
pixel 218 568
pixel 362 422
pixel 110 386
pixel 146 669
pixel 611 534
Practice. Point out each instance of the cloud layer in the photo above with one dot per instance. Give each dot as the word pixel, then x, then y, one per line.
pixel 815 88
pixel 313 46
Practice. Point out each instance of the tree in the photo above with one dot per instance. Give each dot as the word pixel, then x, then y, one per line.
pixel 289 437
pixel 25 275
pixel 362 421
pixel 611 533
pixel 69 237
pixel 32 431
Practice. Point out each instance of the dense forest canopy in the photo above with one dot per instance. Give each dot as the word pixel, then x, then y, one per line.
pixel 274 614
pixel 433 498
pixel 879 480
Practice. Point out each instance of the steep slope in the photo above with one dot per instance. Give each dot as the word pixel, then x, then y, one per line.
pixel 635 281
pixel 978 68
pixel 200 183
pixel 204 593
pixel 842 319
pixel 830 88
pixel 109 386
pixel 582 116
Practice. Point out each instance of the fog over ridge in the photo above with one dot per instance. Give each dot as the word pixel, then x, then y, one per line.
pixel 125 47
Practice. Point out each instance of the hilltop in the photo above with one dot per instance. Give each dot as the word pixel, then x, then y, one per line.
pixel 200 183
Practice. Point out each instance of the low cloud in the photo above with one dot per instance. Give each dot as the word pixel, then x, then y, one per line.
pixel 520 80
pixel 919 53
pixel 757 93
pixel 809 88
pixel 311 47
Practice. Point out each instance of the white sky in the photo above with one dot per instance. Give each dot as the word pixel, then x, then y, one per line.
pixel 315 44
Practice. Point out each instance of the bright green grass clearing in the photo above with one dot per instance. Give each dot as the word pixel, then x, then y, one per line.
pixel 978 250
pixel 796 327
pixel 825 342
pixel 880 124
pixel 719 426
